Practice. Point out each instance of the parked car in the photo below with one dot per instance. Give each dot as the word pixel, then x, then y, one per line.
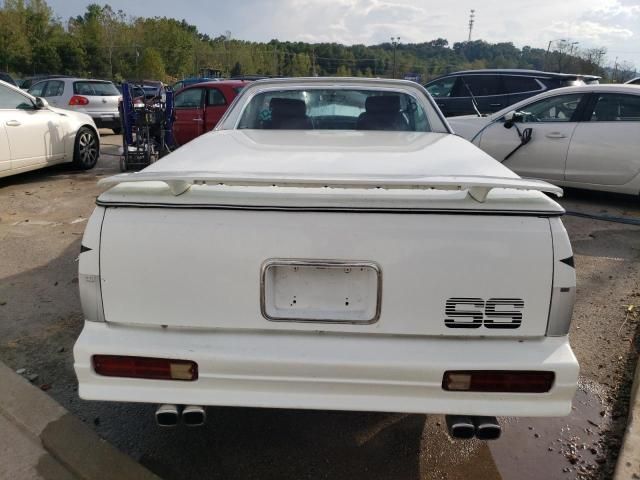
pixel 97 98
pixel 494 90
pixel 199 107
pixel 26 83
pixel 35 135
pixel 330 245
pixel 7 78
pixel 584 137
pixel 192 81
pixel 633 81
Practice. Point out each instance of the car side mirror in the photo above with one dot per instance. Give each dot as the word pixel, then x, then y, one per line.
pixel 510 118
pixel 41 103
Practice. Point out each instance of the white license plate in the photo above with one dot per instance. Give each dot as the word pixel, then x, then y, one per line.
pixel 320 291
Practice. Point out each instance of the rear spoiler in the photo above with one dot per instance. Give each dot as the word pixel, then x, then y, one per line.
pixel 477 187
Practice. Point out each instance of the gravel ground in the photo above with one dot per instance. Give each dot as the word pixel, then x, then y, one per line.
pixel 42 217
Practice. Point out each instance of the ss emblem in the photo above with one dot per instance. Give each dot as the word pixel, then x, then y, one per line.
pixel 476 312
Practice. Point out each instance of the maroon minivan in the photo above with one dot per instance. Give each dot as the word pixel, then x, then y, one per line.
pixel 199 107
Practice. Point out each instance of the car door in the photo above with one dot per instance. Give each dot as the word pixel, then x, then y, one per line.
pixel 605 148
pixel 35 136
pixel 216 105
pixel 53 92
pixel 5 154
pixel 487 90
pixel 553 121
pixel 189 115
pixel 519 87
pixel 452 96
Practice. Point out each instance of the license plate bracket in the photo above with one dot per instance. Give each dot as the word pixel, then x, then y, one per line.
pixel 320 291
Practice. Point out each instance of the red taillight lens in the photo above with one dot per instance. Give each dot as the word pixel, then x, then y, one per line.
pixel 508 381
pixel 145 367
pixel 78 100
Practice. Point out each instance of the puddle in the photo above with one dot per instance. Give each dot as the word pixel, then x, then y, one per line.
pixel 559 448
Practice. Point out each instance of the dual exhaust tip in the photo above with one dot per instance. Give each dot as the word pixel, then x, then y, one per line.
pixel 169 415
pixel 459 426
pixel 466 427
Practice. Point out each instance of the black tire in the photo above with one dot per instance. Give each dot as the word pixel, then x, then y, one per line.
pixel 86 149
pixel 117 130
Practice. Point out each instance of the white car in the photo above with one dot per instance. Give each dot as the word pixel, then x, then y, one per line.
pixel 633 81
pixel 331 245
pixel 97 98
pixel 35 135
pixel 584 137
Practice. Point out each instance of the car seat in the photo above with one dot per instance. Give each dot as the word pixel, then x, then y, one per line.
pixel 382 112
pixel 289 114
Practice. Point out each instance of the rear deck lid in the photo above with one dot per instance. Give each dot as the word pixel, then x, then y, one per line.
pixel 332 169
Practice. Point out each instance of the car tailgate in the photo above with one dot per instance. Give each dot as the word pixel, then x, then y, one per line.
pixel 453 274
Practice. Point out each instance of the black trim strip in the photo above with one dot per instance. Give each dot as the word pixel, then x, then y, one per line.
pixel 516 213
pixel 569 261
pixel 84 249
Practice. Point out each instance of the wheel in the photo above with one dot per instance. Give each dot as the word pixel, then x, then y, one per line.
pixel 117 130
pixel 87 149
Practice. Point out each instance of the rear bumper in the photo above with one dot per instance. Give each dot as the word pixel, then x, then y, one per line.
pixel 106 120
pixel 326 371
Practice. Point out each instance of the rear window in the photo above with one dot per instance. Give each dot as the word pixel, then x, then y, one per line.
pixel 333 109
pixel 92 87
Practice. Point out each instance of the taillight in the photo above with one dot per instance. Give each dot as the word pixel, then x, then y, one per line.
pixel 78 100
pixel 508 381
pixel 145 367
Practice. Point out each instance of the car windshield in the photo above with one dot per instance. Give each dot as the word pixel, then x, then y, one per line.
pixel 334 109
pixel 104 89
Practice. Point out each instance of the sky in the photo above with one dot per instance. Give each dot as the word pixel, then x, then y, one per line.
pixel 613 24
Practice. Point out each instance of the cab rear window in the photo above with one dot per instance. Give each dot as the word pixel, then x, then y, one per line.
pixel 334 109
pixel 102 89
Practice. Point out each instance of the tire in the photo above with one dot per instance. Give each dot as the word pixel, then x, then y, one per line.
pixel 117 130
pixel 86 149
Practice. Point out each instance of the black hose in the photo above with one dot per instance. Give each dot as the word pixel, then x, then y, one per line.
pixel 606 218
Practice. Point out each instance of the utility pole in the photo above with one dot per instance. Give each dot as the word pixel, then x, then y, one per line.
pixel 313 62
pixel 394 42
pixel 472 20
pixel 615 71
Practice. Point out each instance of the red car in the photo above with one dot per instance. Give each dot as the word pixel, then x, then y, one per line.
pixel 199 107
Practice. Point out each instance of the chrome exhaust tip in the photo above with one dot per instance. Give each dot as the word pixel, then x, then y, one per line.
pixel 487 428
pixel 460 427
pixel 167 415
pixel 194 416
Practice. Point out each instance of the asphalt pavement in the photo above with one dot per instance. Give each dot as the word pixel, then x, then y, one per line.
pixel 42 217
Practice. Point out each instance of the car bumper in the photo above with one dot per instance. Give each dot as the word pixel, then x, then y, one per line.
pixel 326 371
pixel 106 121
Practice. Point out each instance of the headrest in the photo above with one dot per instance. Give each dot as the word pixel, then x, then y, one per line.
pixel 382 104
pixel 288 107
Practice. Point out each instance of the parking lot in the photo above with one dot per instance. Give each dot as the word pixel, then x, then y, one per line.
pixel 42 217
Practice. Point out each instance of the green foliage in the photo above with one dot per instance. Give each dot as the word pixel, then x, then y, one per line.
pixel 109 44
pixel 151 64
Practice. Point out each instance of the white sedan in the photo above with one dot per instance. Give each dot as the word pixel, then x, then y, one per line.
pixel 584 137
pixel 35 135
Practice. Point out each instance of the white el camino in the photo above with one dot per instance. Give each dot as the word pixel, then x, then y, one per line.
pixel 331 245
pixel 35 135
pixel 583 137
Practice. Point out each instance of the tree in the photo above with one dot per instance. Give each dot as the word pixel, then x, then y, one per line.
pixel 151 65
pixel 236 71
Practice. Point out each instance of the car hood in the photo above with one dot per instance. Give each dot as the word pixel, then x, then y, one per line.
pixel 467 126
pixel 382 169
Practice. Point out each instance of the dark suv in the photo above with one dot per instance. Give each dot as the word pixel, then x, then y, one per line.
pixel 495 89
